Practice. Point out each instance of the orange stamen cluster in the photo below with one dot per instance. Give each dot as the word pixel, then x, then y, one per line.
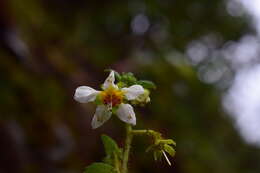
pixel 112 96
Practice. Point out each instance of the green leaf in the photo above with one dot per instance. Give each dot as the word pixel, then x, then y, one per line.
pixel 108 160
pixel 110 145
pixel 169 149
pixel 157 155
pixel 147 84
pixel 99 168
pixel 121 84
pixel 150 148
pixel 117 76
pixel 128 78
pixel 169 141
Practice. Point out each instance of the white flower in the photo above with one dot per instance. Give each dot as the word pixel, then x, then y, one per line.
pixel 110 97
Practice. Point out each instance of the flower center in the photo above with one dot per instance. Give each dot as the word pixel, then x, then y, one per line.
pixel 112 96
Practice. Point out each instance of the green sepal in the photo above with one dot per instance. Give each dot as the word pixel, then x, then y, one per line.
pixel 98 100
pixel 114 109
pixel 99 168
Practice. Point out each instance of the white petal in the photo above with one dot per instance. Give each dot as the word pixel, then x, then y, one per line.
pixel 101 116
pixel 85 94
pixel 125 112
pixel 133 91
pixel 110 80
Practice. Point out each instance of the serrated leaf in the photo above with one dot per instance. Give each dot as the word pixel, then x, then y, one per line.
pixel 169 149
pixel 99 168
pixel 147 84
pixel 110 145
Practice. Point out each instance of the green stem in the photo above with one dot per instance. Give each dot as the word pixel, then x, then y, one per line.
pixel 116 163
pixel 157 137
pixel 128 141
pixel 143 132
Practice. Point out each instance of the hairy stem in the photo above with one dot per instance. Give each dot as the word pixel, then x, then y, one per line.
pixel 128 141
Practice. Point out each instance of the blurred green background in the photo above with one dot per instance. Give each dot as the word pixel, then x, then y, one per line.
pixel 50 47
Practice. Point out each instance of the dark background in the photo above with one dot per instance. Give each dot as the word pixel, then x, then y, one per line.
pixel 50 47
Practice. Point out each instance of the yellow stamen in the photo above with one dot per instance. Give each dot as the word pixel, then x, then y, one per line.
pixel 112 97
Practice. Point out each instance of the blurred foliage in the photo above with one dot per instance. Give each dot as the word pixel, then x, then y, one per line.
pixel 50 47
pixel 99 167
